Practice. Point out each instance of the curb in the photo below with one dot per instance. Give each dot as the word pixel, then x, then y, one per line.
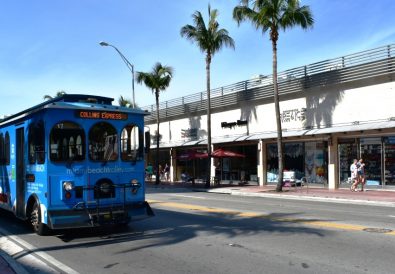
pixel 301 198
pixel 16 267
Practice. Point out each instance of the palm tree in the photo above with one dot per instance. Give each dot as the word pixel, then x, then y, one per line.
pixel 272 16
pixel 58 94
pixel 210 39
pixel 124 102
pixel 157 80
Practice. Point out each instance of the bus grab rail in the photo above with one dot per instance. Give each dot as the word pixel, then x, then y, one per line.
pixel 83 204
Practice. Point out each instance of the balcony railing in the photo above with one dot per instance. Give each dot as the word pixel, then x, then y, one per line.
pixel 358 66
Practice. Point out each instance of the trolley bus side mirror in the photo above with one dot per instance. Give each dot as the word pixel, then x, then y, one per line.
pixel 147 137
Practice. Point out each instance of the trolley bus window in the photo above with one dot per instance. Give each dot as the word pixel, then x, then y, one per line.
pixel 130 143
pixel 67 142
pixel 103 142
pixel 2 155
pixel 36 141
pixel 7 148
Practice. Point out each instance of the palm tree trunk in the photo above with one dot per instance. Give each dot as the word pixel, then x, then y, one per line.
pixel 157 181
pixel 279 187
pixel 208 179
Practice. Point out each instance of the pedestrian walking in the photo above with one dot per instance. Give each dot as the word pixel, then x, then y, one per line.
pixel 354 175
pixel 361 173
pixel 167 172
pixel 149 171
pixel 161 173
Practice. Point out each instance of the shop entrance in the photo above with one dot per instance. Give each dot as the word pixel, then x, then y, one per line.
pixel 378 154
pixel 243 169
pixel 306 159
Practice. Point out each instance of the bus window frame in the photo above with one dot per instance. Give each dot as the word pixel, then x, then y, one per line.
pixel 82 157
pixel 36 137
pixel 7 148
pixel 104 152
pixel 2 149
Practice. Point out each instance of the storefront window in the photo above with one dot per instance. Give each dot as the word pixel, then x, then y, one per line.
pixel 316 162
pixel 293 160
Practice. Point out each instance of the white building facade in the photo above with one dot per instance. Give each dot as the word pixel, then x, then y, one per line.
pixel 331 111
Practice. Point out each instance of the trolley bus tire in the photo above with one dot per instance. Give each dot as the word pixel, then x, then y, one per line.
pixel 35 221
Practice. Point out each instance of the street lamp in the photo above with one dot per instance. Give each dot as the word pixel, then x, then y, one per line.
pixel 126 61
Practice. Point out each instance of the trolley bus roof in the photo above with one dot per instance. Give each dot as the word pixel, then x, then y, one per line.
pixel 73 101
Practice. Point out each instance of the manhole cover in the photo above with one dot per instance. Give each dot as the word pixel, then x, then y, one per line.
pixel 377 230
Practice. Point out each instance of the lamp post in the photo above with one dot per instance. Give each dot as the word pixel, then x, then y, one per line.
pixel 126 61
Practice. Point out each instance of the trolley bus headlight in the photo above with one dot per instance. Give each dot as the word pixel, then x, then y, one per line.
pixel 67 185
pixel 134 182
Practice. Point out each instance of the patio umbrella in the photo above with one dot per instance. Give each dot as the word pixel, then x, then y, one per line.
pixel 190 155
pixel 222 153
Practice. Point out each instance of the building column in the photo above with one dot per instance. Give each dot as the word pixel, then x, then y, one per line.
pixel 212 166
pixel 333 169
pixel 261 167
pixel 172 163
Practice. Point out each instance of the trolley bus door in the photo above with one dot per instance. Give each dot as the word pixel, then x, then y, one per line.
pixel 20 167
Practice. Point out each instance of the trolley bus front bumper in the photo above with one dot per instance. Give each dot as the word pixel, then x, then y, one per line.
pixel 83 215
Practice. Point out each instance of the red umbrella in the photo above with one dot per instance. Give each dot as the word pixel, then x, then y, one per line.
pixel 221 153
pixel 190 155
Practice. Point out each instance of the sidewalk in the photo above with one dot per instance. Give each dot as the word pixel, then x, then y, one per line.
pixel 312 193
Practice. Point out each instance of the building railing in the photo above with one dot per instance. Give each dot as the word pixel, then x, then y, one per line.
pixel 358 66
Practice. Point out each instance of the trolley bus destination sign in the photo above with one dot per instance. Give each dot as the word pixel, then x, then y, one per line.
pixel 107 115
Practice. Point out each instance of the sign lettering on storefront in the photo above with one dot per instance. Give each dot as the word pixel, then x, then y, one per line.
pixel 293 115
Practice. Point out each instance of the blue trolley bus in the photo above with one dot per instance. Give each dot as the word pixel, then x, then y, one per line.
pixel 74 161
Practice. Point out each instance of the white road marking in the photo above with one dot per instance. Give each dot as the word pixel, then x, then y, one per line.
pixel 25 253
pixel 392 216
pixel 189 196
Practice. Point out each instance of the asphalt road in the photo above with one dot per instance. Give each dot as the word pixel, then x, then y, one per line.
pixel 196 232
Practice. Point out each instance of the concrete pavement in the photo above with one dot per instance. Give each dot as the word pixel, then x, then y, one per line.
pixel 312 193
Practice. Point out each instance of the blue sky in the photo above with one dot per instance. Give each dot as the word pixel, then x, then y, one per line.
pixel 52 45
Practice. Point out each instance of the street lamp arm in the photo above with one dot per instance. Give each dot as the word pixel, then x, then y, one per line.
pixel 126 61
pixel 128 64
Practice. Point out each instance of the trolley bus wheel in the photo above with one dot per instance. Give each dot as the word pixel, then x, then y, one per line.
pixel 35 220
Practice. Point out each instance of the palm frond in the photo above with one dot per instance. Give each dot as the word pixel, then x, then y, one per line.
pixel 208 37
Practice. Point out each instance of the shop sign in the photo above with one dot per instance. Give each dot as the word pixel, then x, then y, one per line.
pixel 370 141
pixel 233 124
pixel 390 140
pixel 293 115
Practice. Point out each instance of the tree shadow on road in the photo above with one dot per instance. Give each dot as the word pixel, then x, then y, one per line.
pixel 159 231
pixel 172 227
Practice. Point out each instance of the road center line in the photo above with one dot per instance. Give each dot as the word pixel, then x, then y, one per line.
pixel 316 223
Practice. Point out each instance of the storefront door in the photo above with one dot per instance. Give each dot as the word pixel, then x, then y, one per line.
pixel 389 161
pixel 348 151
pixel 371 153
